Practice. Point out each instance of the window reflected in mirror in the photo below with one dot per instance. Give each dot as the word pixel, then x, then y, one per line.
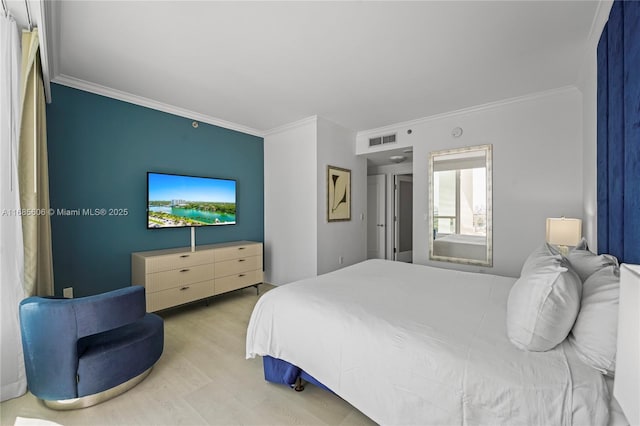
pixel 460 205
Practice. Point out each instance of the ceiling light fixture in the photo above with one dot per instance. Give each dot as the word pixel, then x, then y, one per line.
pixel 397 158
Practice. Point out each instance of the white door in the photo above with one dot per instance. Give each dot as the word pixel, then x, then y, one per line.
pixel 403 218
pixel 376 218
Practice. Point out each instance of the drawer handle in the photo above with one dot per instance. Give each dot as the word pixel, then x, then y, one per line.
pixel 184 288
pixel 241 248
pixel 241 260
pixel 184 255
pixel 241 275
pixel 184 270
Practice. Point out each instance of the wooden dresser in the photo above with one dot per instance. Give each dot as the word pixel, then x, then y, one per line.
pixel 176 276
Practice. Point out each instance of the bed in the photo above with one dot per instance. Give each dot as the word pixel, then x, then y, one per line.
pixel 412 344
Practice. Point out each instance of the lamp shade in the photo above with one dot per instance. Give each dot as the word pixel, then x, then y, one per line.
pixel 626 387
pixel 564 231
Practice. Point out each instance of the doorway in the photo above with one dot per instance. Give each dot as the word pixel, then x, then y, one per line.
pixel 390 212
pixel 403 218
pixel 377 220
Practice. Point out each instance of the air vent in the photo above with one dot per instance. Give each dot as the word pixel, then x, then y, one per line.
pixel 381 140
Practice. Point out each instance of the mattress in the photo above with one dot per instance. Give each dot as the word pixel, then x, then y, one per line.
pixel 412 344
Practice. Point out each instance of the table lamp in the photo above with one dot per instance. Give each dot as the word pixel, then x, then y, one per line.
pixel 564 232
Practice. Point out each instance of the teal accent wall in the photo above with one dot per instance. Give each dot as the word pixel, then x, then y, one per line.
pixel 100 150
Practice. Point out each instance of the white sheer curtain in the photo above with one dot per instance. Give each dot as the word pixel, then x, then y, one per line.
pixel 13 378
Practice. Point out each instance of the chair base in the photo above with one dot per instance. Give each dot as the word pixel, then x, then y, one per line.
pixel 96 398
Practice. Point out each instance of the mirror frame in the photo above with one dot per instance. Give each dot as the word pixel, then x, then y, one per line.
pixel 488 150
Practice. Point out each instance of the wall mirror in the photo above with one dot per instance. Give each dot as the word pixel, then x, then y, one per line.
pixel 460 196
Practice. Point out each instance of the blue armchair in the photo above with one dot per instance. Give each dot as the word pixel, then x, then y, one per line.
pixel 79 352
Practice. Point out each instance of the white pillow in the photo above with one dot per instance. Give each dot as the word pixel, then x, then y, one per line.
pixel 595 331
pixel 586 263
pixel 543 303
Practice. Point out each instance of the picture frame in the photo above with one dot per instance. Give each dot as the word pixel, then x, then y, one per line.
pixel 338 194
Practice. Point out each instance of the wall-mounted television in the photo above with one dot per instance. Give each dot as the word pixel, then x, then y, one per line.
pixel 176 201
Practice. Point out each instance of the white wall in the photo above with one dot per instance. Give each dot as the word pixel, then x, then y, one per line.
pixel 340 239
pixel 537 168
pixel 588 86
pixel 290 203
pixel 299 241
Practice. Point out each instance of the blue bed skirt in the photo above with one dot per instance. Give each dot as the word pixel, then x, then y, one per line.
pixel 280 371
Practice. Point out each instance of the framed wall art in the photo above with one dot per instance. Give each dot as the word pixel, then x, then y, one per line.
pixel 338 194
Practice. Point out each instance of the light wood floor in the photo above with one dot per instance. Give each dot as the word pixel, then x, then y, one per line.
pixel 203 378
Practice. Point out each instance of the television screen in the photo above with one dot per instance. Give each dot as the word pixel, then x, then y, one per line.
pixel 175 201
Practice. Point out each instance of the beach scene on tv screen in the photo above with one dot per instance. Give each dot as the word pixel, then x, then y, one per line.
pixel 177 201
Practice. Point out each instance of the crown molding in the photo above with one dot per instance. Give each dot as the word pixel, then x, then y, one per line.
pixel 600 19
pixel 98 89
pixel 290 126
pixel 469 110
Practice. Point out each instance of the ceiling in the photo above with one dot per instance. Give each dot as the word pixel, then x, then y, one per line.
pixel 360 64
pixel 383 158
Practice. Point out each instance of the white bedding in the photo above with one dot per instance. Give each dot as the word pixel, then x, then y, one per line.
pixel 411 344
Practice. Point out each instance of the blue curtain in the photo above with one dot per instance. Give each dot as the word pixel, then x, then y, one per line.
pixel 619 133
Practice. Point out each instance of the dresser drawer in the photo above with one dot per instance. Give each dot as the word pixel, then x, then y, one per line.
pixel 167 262
pixel 179 295
pixel 178 277
pixel 234 282
pixel 235 252
pixel 236 266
